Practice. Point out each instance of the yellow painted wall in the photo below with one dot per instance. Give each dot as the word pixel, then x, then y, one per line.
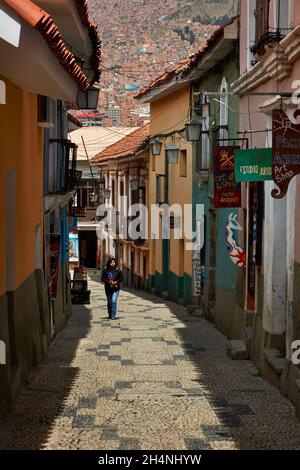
pixel 170 114
pixel 21 150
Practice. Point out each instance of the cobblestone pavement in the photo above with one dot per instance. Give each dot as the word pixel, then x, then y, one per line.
pixel 156 378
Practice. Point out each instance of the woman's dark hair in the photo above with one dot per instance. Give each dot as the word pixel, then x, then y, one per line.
pixel 109 261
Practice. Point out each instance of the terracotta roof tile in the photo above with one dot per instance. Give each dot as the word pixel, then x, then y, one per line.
pixel 126 147
pixel 181 69
pixel 42 21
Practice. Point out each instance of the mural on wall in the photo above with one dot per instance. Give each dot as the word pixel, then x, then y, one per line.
pixel 73 247
pixel 235 252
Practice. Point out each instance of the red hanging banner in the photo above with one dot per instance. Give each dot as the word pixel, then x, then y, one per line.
pixel 286 152
pixel 227 192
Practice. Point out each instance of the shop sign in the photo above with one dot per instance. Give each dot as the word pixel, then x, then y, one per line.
pixel 253 165
pixel 77 211
pixel 227 191
pixel 286 152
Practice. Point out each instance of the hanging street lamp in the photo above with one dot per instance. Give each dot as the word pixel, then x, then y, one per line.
pixel 106 193
pixel 89 99
pixel 193 130
pixel 172 154
pixel 156 146
pixel 134 183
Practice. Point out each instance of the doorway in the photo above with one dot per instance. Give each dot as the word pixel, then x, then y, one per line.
pixel 88 249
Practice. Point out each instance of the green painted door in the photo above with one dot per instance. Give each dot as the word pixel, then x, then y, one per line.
pixel 166 263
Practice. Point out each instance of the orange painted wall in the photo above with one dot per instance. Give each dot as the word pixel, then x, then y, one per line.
pixel 21 150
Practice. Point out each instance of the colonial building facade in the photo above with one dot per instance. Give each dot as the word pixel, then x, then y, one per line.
pixel 269 70
pixel 39 76
pixel 124 166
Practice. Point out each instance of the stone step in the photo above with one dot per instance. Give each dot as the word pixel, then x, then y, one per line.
pixel 237 350
pixel 275 359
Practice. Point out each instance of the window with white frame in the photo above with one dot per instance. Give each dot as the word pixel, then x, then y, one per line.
pixel 223 133
pixel 283 11
pixel 251 30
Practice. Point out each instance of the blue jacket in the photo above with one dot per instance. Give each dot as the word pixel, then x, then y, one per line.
pixel 115 275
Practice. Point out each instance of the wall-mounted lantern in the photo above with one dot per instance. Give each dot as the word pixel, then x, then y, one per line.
pixel 193 130
pixel 106 193
pixel 172 154
pixel 134 184
pixel 156 146
pixel 89 99
pixel 142 182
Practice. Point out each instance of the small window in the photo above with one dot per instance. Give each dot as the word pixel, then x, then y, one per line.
pixel 153 162
pixel 283 16
pixel 183 163
pixel 251 30
pixel 44 112
pixel 161 189
pixel 83 197
pixel 121 188
pixel 113 192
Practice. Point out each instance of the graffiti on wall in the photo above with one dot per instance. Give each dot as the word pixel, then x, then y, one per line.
pixel 235 252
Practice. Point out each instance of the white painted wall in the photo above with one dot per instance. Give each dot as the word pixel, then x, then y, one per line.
pixel 10 29
pixel 291 230
pixel 275 256
pixel 275 262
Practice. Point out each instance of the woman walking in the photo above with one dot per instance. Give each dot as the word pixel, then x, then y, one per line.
pixel 112 277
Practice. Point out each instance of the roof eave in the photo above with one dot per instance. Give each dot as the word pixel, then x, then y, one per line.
pixel 125 156
pixel 163 90
pixel 41 21
pixel 216 53
pixel 226 36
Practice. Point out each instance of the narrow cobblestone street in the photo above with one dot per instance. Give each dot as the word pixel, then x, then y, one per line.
pixel 156 378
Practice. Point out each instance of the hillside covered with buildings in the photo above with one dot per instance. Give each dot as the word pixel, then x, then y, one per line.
pixel 140 39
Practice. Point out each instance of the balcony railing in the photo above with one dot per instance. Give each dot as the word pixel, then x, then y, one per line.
pixel 67 176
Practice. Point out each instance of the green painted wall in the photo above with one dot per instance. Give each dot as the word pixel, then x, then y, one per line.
pixel 226 272
pixel 177 287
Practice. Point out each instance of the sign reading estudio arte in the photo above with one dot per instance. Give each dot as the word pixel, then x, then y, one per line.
pixel 286 152
pixel 227 191
pixel 253 165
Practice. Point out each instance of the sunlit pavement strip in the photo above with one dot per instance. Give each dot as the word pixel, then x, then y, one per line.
pixel 156 378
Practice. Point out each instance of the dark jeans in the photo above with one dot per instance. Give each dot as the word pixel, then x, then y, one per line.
pixel 112 297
